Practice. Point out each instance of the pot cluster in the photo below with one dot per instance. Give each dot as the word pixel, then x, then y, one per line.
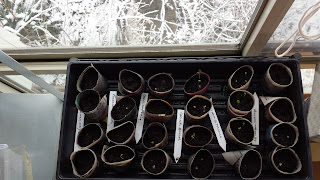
pixel 281 111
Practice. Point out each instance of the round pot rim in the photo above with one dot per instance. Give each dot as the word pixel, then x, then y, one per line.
pixel 240 161
pixel 197 126
pixel 90 171
pixel 78 99
pixel 235 114
pixel 157 115
pixel 205 87
pixel 230 78
pixel 96 141
pixel 231 133
pixel 197 117
pixel 163 139
pixel 141 81
pixel 284 123
pixel 126 141
pixel 164 92
pixel 167 161
pixel 237 111
pixel 194 156
pixel 277 149
pixel 119 163
pixel 286 68
pixel 277 119
pixel 133 108
pixel 82 75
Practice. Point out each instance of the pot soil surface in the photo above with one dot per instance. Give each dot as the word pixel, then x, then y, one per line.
pixel 118 154
pixel 89 80
pixel 88 135
pixel 285 160
pixel 89 102
pixel 153 136
pixel 279 75
pixel 130 81
pixel 198 107
pixel 154 161
pixel 83 161
pixel 241 77
pixel 161 83
pixel 202 165
pixel 159 107
pixel 241 101
pixel 242 130
pixel 284 134
pixel 196 84
pixel 250 165
pixel 197 136
pixel 121 134
pixel 282 109
pixel 122 108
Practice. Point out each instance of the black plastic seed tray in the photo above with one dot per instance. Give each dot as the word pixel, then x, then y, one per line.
pixel 219 68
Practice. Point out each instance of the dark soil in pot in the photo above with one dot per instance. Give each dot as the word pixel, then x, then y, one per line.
pixel 284 134
pixel 250 165
pixel 83 161
pixel 122 108
pixel 121 134
pixel 118 154
pixel 130 81
pixel 153 136
pixel 285 160
pixel 241 101
pixel 159 107
pixel 198 106
pixel 196 84
pixel 197 136
pixel 88 135
pixel 202 165
pixel 89 101
pixel 242 130
pixel 89 80
pixel 241 77
pixel 161 83
pixel 282 109
pixel 154 161
pixel 279 75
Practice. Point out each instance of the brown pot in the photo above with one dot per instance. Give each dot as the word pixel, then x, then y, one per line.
pixel 99 108
pixel 235 112
pixel 229 134
pixel 273 137
pixel 84 81
pixel 160 144
pixel 118 130
pixel 154 155
pixel 160 93
pixel 85 139
pixel 198 127
pixel 273 87
pixel 123 164
pixel 272 118
pixel 246 84
pixel 205 156
pixel 203 88
pixel 278 166
pixel 249 154
pixel 80 158
pixel 193 118
pixel 125 90
pixel 159 116
pixel 132 113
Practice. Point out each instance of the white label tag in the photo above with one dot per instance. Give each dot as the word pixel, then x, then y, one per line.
pixel 267 99
pixel 255 119
pixel 217 128
pixel 178 136
pixel 79 126
pixel 112 102
pixel 141 115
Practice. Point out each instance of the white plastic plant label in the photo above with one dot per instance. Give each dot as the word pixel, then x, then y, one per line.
pixel 267 99
pixel 141 116
pixel 112 102
pixel 255 119
pixel 178 135
pixel 79 126
pixel 217 128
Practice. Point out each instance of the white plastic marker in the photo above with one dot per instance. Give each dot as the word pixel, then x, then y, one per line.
pixel 79 125
pixel 217 128
pixel 141 115
pixel 255 119
pixel 112 102
pixel 178 136
pixel 267 99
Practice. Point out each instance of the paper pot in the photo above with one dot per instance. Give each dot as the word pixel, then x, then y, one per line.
pixel 157 85
pixel 235 111
pixel 92 105
pixel 280 134
pixel 197 109
pixel 153 133
pixel 153 160
pixel 192 138
pixel 85 163
pixel 130 83
pixel 91 136
pixel 245 166
pixel 243 126
pixel 125 109
pixel 201 164
pixel 273 117
pixel 91 78
pixel 271 85
pixel 236 75
pixel 284 158
pixel 122 134
pixel 158 110
pixel 194 80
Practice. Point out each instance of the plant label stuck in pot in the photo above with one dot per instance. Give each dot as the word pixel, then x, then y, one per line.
pixel 178 135
pixel 217 128
pixel 141 116
pixel 112 102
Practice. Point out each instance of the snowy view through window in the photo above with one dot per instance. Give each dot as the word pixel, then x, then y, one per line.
pixel 51 23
